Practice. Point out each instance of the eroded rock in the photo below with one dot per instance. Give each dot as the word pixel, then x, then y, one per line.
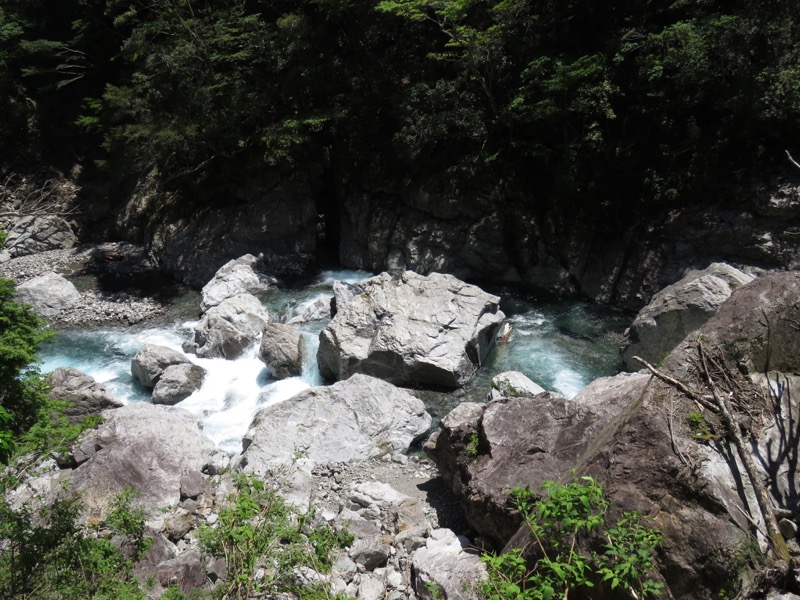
pixel 150 362
pixel 48 294
pixel 233 278
pixel 229 329
pixel 85 395
pixel 433 330
pixel 281 350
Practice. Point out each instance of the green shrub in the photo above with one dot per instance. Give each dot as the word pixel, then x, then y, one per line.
pixel 266 542
pixel 561 522
pixel 48 554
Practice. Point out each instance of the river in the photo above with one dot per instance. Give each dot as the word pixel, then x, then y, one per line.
pixel 562 346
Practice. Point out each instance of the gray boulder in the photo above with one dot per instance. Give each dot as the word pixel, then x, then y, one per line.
pixel 33 234
pixel 146 447
pixel 513 384
pixel 281 350
pixel 85 395
pixel 48 294
pixel 678 310
pixel 233 278
pixel 445 564
pixel 229 329
pixel 177 383
pixel 414 329
pixel 356 419
pixel 150 362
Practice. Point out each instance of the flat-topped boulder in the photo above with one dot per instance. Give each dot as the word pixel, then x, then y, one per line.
pixel 411 329
pixel 233 278
pixel 362 417
pixel 677 310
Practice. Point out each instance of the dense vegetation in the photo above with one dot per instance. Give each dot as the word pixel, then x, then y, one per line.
pixel 617 104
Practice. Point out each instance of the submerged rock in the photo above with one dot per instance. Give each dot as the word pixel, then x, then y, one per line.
pixel 356 419
pixel 434 330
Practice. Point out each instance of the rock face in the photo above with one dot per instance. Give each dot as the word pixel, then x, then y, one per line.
pixel 281 350
pixel 48 294
pixel 228 329
pixel 32 234
pixel 85 395
pixel 234 278
pixel 433 330
pixel 275 218
pixel 634 435
pixel 177 383
pixel 146 447
pixel 355 419
pixel 677 310
pixel 150 362
pixel 483 235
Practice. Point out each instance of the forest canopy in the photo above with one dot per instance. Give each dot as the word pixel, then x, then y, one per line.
pixel 619 104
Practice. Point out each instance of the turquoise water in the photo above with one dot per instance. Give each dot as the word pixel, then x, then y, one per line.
pixel 560 346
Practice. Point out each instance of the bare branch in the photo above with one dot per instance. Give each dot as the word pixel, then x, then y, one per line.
pixel 793 161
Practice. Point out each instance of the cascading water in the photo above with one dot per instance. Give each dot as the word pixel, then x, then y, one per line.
pixel 561 346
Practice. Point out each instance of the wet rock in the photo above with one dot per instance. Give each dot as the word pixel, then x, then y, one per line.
pixel 319 310
pixel 433 330
pixel 151 361
pixel 48 294
pixel 177 383
pixel 281 350
pixel 229 329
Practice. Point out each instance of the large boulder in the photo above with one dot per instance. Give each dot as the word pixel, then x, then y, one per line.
pixel 48 294
pixel 758 326
pixel 151 360
pixel 233 278
pixel 229 329
pixel 33 234
pixel 177 383
pixel 433 330
pixel 677 310
pixel 84 395
pixel 281 350
pixel 146 447
pixel 356 419
pixel 640 439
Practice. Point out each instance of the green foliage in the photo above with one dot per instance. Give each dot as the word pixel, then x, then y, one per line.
pixel 699 428
pixel 563 523
pixel 48 554
pixel 22 393
pixel 472 445
pixel 258 529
